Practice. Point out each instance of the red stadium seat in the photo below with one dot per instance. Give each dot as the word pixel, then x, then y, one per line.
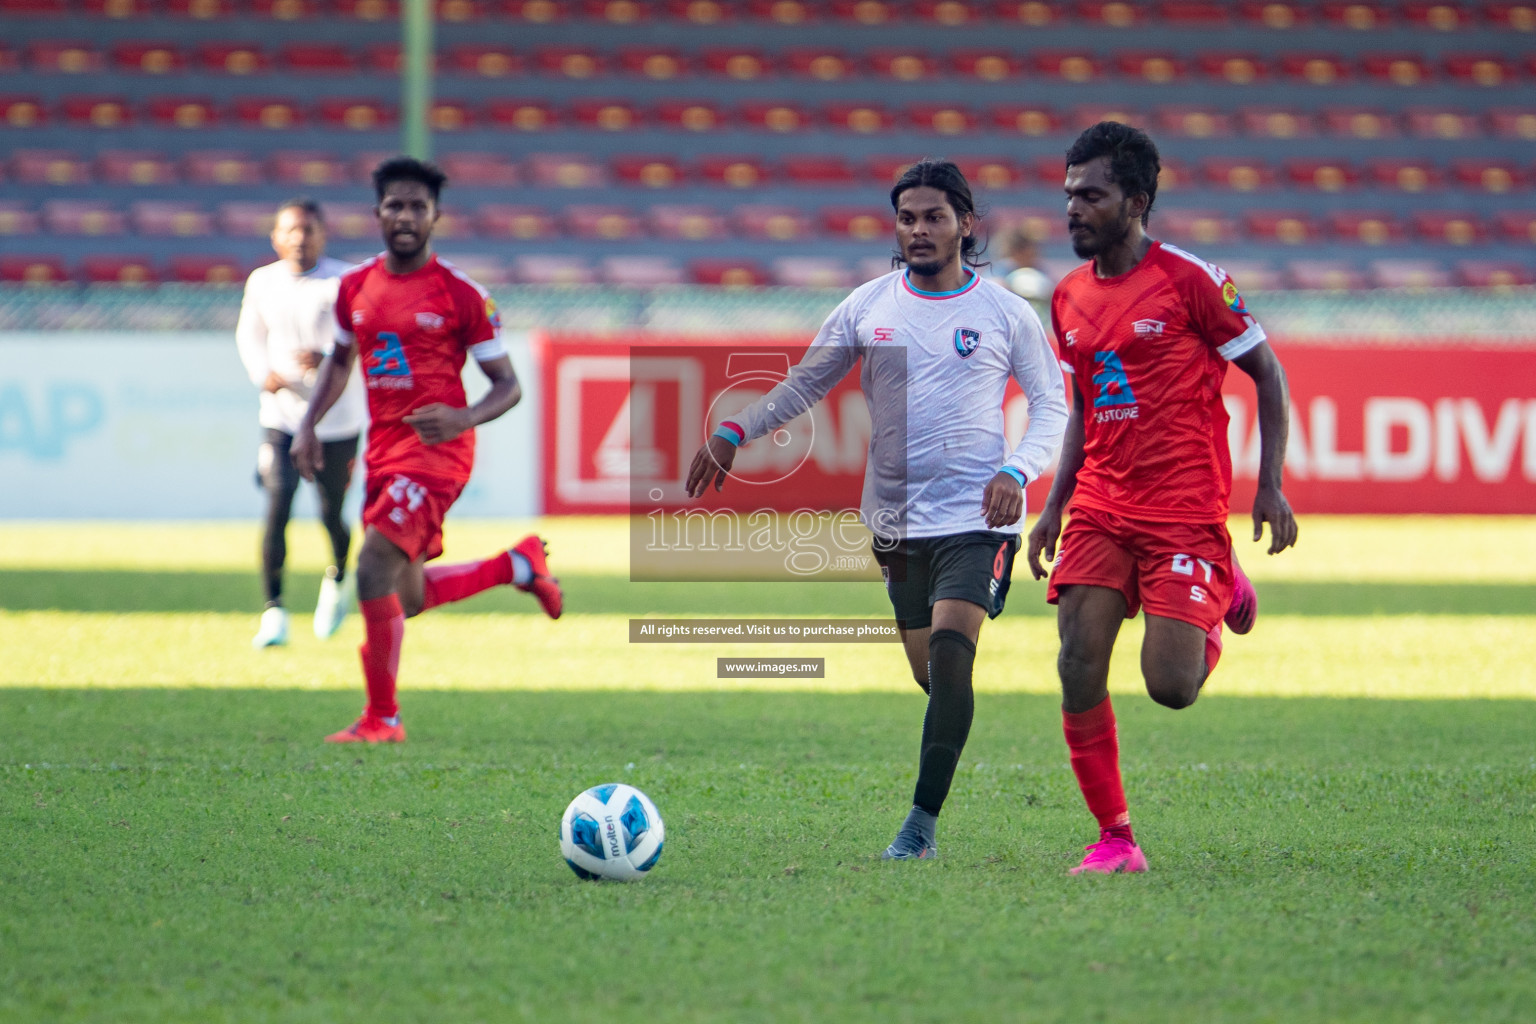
pixel 1047 171
pixel 994 173
pixel 783 118
pixel 943 118
pixel 285 10
pixel 986 65
pixel 728 273
pixel 1438 17
pixel 1232 67
pixel 69 58
pixel 118 10
pixel 950 13
pixel 83 217
pixel 1253 275
pixel 214 270
pixel 170 218
pixel 367 10
pixel 1288 227
pixel 1514 17
pixel 1518 226
pixel 1031 121
pixel 148 58
pixel 1276 123
pixel 1493 176
pixel 1489 70
pixel 356 221
pixel 317 59
pixel 742 65
pixel 1404 69
pixel 480 170
pixel 1322 175
pixel 538 12
pixel 689 115
pixel 640 271
pixel 136 271
pixel 1439 123
pixel 1030 13
pixel 201 10
pixel 657 65
pixel 817 170
pixel 902 65
pixel 783 12
pixel 1084 117
pixel 484 61
pixel 860 223
pixel 617 12
pixel 1113 14
pixel 33 270
pixel 1174 176
pixel 1195 122
pixel 811 272
pixel 733 171
pixel 97 111
pixel 488 271
pixel 1513 124
pixel 862 118
pixel 1405 175
pixel 232 58
pixel 1238 175
pixel 821 65
pixel 1365 227
pixel 1409 274
pixel 22 112
pixel 1048 225
pixel 550 270
pixel 504 220
pixel 1153 68
pixel 1070 66
pixel 356 114
pixel 459 12
pixel 1188 14
pixel 384 59
pixel 360 164
pixel 221 167
pixel 648 171
pixel 569 62
pixel 1449 227
pixel 1494 274
pixel 884 170
pixel 135 167
pixel 1275 15
pixel 271 113
pixel 1326 275
pixel 687 223
pixel 1359 123
pixel 246 219
pixel 773 223
pixel 565 170
pixel 1196 227
pixel 307 168
pixel 452 224
pixel 521 115
pixel 184 112
pixel 17 219
pixel 1313 68
pixel 1356 16
pixel 49 167
pixel 866 12
pixel 605 115
pixel 450 116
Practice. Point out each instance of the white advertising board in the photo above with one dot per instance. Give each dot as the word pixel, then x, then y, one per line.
pixel 163 426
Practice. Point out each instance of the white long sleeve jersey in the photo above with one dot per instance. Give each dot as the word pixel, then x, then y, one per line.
pixel 934 371
pixel 282 316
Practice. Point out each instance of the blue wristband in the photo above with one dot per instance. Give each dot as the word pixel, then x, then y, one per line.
pixel 728 434
pixel 1015 474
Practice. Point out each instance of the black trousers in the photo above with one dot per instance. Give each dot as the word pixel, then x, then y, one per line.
pixel 277 475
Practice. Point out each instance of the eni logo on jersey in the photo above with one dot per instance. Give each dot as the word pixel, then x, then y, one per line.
pixel 1113 399
pixel 966 341
pixel 387 366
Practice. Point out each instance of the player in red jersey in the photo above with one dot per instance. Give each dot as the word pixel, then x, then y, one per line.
pixel 1146 330
pixel 415 318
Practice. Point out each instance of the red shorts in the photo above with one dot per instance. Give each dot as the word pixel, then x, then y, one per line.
pixel 1177 570
pixel 409 511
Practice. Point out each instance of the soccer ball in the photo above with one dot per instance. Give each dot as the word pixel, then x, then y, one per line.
pixel 611 831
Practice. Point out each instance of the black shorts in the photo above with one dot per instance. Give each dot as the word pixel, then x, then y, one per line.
pixel 974 567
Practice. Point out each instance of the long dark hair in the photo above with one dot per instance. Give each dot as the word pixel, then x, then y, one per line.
pixel 946 177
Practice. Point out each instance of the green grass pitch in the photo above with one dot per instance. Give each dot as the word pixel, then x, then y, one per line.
pixel 1342 829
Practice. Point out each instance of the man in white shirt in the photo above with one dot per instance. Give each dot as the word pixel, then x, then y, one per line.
pixel 943 494
pixel 284 331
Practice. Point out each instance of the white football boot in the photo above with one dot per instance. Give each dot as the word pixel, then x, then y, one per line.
pixel 331 607
pixel 273 631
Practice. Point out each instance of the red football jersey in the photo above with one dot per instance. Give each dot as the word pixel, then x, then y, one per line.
pixel 413 332
pixel 1148 351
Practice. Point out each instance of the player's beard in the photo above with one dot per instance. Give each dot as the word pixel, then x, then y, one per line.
pixel 941 257
pixel 407 251
pixel 1097 241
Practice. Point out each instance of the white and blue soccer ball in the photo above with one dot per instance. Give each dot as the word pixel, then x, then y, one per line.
pixel 612 831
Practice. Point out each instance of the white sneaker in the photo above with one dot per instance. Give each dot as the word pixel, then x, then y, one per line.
pixel 273 631
pixel 331 608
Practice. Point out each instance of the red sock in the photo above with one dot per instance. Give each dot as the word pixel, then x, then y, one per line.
pixel 384 629
pixel 1095 750
pixel 1212 649
pixel 448 583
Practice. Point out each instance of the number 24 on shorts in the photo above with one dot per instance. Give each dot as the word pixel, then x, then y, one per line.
pixel 1185 566
pixel 406 492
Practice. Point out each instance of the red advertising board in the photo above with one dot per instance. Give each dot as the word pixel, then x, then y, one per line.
pixel 1445 428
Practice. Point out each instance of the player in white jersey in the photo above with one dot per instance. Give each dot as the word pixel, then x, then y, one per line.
pixel 284 331
pixel 943 493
